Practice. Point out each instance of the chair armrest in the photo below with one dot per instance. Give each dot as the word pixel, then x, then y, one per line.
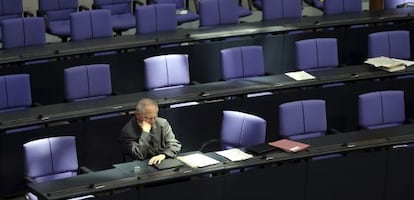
pixel 208 143
pixel 409 121
pixel 83 7
pixel 28 14
pixel 29 180
pixel 194 83
pixel 84 170
pixel 36 104
pixel 332 131
pixel 137 2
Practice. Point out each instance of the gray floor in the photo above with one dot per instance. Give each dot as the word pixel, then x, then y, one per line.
pixel 31 5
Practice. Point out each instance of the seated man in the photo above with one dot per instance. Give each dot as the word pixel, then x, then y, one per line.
pixel 147 136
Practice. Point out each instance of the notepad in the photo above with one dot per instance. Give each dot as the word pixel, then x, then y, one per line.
pixel 300 75
pixel 234 154
pixel 197 160
pixel 289 145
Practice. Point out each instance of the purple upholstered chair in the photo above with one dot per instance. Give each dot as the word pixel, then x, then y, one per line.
pixel 22 32
pixel 391 4
pixel 240 62
pixel 316 53
pixel 15 92
pixel 302 119
pixel 10 9
pixel 89 25
pixel 122 17
pixel 87 82
pixel 280 9
pixel 57 16
pixel 155 18
pixel 334 7
pixel 166 71
pixel 50 159
pixel 218 12
pixel 182 14
pixel 241 130
pixel 381 109
pixel 395 44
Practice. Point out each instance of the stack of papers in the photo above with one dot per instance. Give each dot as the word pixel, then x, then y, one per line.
pixel 234 154
pixel 300 75
pixel 389 64
pixel 197 160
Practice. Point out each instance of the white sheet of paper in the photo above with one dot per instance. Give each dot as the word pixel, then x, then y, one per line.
pixel 300 75
pixel 234 154
pixel 197 160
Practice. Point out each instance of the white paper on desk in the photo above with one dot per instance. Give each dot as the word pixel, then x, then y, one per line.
pixel 234 154
pixel 300 75
pixel 197 160
pixel 405 62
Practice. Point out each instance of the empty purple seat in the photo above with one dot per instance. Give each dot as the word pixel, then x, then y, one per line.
pixel 334 7
pixel 57 15
pixel 395 44
pixel 280 9
pixel 240 62
pixel 316 53
pixel 87 82
pixel 381 109
pixel 166 71
pixel 302 119
pixel 15 92
pixel 50 159
pixel 22 32
pixel 183 15
pixel 218 12
pixel 240 129
pixel 122 17
pixel 155 18
pixel 10 9
pixel 89 25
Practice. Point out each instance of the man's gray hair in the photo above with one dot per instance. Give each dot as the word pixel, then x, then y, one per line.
pixel 144 103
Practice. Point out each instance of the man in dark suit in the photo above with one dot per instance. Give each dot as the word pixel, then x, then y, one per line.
pixel 147 136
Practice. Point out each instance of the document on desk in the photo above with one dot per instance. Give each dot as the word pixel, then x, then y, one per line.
pixel 300 75
pixel 389 64
pixel 197 160
pixel 234 154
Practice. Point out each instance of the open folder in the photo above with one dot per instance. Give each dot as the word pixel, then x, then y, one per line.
pixel 289 145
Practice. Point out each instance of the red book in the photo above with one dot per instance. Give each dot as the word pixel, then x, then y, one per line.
pixel 289 145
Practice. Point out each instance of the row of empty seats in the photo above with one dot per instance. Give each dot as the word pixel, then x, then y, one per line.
pixel 165 71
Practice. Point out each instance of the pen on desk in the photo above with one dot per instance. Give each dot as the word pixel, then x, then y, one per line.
pixel 99 187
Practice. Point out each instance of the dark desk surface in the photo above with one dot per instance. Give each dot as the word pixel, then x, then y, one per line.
pixel 56 50
pixel 114 179
pixel 199 92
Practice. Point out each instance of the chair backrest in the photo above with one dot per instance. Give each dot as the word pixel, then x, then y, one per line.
pixel 332 7
pixel 92 24
pixel 391 4
pixel 239 62
pixel 179 4
pixel 21 32
pixel 50 158
pixel 166 70
pixel 302 119
pixel 58 9
pixel 316 53
pixel 87 82
pixel 115 6
pixel 395 44
pixel 279 9
pixel 11 9
pixel 15 92
pixel 218 12
pixel 240 129
pixel 381 109
pixel 155 18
